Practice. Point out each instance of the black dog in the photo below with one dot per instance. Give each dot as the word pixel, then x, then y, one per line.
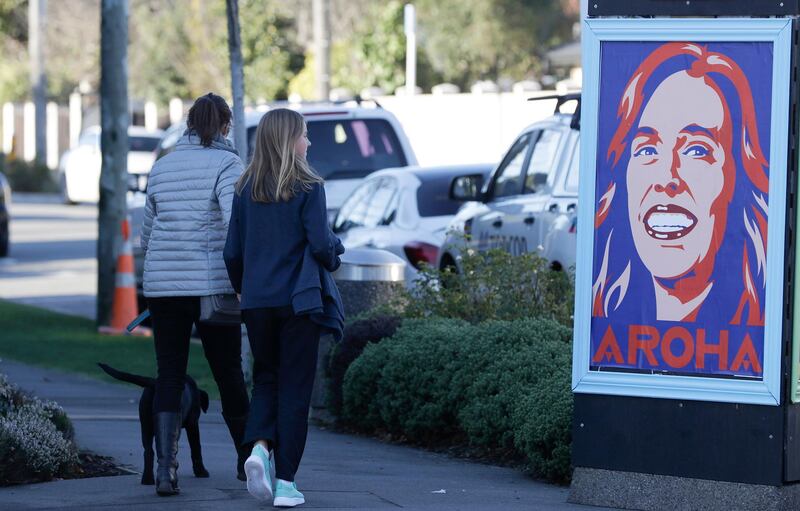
pixel 193 400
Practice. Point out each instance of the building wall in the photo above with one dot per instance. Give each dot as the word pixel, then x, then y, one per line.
pixel 465 128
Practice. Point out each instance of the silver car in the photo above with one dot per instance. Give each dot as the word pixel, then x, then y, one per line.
pixel 529 203
pixel 405 211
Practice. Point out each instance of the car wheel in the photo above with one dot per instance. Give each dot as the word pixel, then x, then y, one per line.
pixel 62 186
pixel 4 244
pixel 448 263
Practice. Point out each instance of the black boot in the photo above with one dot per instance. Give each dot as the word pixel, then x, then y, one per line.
pixel 236 427
pixel 168 430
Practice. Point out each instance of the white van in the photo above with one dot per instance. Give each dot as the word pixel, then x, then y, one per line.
pixel 348 142
pixel 529 203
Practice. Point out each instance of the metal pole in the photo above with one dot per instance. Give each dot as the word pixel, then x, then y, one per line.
pixel 410 29
pixel 237 77
pixel 322 45
pixel 239 132
pixel 114 120
pixel 36 20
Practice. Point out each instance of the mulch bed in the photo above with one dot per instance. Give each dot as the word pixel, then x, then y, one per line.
pixel 90 465
pixel 94 465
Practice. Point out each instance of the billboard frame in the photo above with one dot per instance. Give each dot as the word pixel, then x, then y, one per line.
pixel 768 390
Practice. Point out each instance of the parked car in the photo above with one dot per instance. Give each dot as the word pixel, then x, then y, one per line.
pixel 530 202
pixel 5 203
pixel 405 211
pixel 79 169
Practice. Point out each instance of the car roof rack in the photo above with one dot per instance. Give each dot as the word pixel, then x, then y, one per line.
pixel 358 100
pixel 575 123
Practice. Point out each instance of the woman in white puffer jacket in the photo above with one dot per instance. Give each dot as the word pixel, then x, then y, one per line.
pixel 189 196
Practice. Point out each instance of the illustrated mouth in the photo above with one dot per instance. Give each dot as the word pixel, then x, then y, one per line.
pixel 668 222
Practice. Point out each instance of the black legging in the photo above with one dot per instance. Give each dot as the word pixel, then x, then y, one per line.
pixel 173 318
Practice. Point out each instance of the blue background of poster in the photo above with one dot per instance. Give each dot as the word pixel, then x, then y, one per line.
pixel 619 60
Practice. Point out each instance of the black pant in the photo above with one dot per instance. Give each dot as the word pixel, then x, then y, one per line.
pixel 284 350
pixel 173 318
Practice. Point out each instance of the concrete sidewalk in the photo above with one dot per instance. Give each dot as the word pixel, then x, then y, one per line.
pixel 338 471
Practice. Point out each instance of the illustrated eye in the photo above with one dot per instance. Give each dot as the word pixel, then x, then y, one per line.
pixel 646 151
pixel 696 151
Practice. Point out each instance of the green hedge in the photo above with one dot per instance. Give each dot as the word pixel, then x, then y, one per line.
pixel 498 384
pixel 357 334
pixel 27 176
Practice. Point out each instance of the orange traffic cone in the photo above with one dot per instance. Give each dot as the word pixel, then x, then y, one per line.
pixel 125 308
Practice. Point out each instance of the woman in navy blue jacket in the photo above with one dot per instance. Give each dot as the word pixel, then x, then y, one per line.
pixel 279 254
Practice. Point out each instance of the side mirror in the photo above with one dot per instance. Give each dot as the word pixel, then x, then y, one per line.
pixel 466 188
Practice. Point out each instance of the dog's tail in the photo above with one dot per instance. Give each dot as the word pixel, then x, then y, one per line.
pixel 142 381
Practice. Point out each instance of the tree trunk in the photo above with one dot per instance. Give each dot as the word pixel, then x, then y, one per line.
pixel 114 120
pixel 239 131
pixel 237 77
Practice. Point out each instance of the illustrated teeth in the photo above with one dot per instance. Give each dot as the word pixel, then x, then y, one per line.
pixel 668 222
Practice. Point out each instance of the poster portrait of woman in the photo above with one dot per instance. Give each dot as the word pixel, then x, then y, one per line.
pixel 682 207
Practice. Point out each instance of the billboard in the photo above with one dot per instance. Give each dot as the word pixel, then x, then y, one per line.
pixel 683 185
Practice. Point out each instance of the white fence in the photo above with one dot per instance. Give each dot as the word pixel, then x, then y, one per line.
pixel 65 123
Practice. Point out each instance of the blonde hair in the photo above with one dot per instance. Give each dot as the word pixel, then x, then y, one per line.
pixel 276 172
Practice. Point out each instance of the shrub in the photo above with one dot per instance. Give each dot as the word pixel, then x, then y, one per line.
pixel 359 408
pixel 357 334
pixel 32 448
pixel 500 384
pixel 26 176
pixel 543 427
pixel 35 437
pixel 493 284
pixel 523 354
pixel 413 390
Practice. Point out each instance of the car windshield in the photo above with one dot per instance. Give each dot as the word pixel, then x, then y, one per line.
pixel 349 148
pixel 142 143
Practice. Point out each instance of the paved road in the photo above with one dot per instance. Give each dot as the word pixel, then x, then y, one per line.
pixel 52 258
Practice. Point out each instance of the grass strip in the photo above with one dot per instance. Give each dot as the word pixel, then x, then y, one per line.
pixel 40 337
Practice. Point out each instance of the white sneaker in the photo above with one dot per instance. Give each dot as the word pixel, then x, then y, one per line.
pixel 258 468
pixel 286 495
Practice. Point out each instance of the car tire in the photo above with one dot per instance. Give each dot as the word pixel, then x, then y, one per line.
pixel 448 262
pixel 4 244
pixel 62 186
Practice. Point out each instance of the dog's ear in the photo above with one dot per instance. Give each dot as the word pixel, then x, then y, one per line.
pixel 204 401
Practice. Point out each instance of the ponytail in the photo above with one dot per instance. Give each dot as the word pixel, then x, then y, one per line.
pixel 208 116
